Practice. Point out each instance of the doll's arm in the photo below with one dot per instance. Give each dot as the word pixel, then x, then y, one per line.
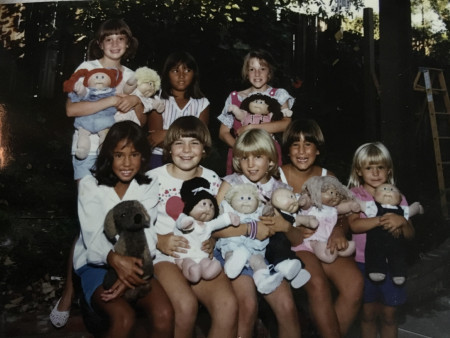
pixel 348 206
pixel 185 223
pixel 415 209
pixel 286 112
pixel 130 85
pixel 238 113
pixel 80 89
pixel 224 220
pixel 307 221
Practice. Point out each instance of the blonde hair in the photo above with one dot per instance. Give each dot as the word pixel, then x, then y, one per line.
pixel 369 154
pixel 255 142
pixel 238 189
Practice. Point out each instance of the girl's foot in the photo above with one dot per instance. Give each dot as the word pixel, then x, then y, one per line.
pixel 59 318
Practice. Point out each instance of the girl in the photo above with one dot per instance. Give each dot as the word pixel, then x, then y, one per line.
pixel 255 161
pixel 186 142
pixel 113 41
pixel 372 166
pixel 118 176
pixel 258 69
pixel 303 142
pixel 181 91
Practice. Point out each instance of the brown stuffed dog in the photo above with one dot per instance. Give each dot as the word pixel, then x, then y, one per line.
pixel 128 219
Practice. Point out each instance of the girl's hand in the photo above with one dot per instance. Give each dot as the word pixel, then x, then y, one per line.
pixel 306 232
pixel 208 246
pixel 128 269
pixel 392 222
pixel 263 231
pixel 244 128
pixel 337 240
pixel 171 245
pixel 277 223
pixel 116 291
pixel 126 102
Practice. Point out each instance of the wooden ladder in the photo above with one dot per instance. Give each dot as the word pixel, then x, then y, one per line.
pixel 424 81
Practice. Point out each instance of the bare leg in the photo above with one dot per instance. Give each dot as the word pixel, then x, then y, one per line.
pixel 349 282
pixel 369 320
pixel 282 303
pixel 388 321
pixel 245 291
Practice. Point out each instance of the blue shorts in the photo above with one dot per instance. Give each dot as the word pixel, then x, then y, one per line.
pixel 83 168
pixel 385 292
pixel 91 278
pixel 246 271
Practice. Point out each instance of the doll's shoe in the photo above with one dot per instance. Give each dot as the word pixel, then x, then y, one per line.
pixel 289 268
pixel 377 276
pixel 236 262
pixel 398 280
pixel 59 318
pixel 265 282
pixel 301 279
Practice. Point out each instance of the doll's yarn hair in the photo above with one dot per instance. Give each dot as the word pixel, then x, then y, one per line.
pixel 195 190
pixel 373 153
pixel 315 185
pixel 239 189
pixel 107 28
pixel 274 105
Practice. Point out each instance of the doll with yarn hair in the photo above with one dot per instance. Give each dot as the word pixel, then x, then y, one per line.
pixel 199 219
pixel 92 85
pixel 326 198
pixel 244 200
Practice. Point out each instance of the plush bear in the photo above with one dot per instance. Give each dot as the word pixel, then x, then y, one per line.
pixel 199 219
pixel 128 219
pixel 385 252
pixel 326 198
pixel 97 84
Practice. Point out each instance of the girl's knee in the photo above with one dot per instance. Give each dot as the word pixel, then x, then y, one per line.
pixel 317 287
pixel 186 311
pixel 163 319
pixel 123 323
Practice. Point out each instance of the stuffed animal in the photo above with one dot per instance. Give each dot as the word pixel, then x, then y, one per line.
pixel 199 219
pixel 328 199
pixel 97 84
pixel 128 219
pixel 144 84
pixel 385 252
pixel 244 200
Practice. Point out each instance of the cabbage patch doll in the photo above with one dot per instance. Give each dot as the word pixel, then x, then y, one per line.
pixel 97 84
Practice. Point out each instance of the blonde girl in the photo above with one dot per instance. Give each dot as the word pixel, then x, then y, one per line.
pixel 303 143
pixel 372 166
pixel 180 85
pixel 255 161
pixel 186 142
pixel 258 69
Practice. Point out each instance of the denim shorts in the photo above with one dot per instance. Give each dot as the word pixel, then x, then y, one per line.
pixel 91 278
pixel 385 292
pixel 83 168
pixel 246 271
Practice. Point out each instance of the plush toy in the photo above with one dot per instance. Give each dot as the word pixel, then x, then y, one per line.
pixel 97 84
pixel 128 219
pixel 258 108
pixel 144 84
pixel 328 199
pixel 385 252
pixel 244 200
pixel 199 219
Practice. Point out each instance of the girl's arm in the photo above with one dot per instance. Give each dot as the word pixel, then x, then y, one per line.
pixel 225 135
pixel 156 133
pixel 338 240
pixel 84 108
pixel 395 224
pixel 204 115
pixel 359 225
pixel 270 127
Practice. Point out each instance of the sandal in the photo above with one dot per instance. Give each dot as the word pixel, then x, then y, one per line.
pixel 59 318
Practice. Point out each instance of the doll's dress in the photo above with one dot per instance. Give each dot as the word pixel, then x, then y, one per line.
pixel 256 119
pixel 327 217
pixel 102 119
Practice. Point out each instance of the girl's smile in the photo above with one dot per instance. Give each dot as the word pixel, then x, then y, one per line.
pixel 126 161
pixel 256 167
pixel 181 77
pixel 114 46
pixel 258 74
pixel 187 152
pixel 303 153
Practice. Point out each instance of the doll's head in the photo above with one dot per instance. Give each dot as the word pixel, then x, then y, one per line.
pixel 387 194
pixel 148 81
pixel 326 190
pixel 263 105
pixel 199 202
pixel 285 200
pixel 98 78
pixel 244 198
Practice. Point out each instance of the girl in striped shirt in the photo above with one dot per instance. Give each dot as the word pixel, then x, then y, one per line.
pixel 183 97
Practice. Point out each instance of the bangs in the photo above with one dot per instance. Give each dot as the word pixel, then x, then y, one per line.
pixel 250 148
pixel 114 27
pixel 374 156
